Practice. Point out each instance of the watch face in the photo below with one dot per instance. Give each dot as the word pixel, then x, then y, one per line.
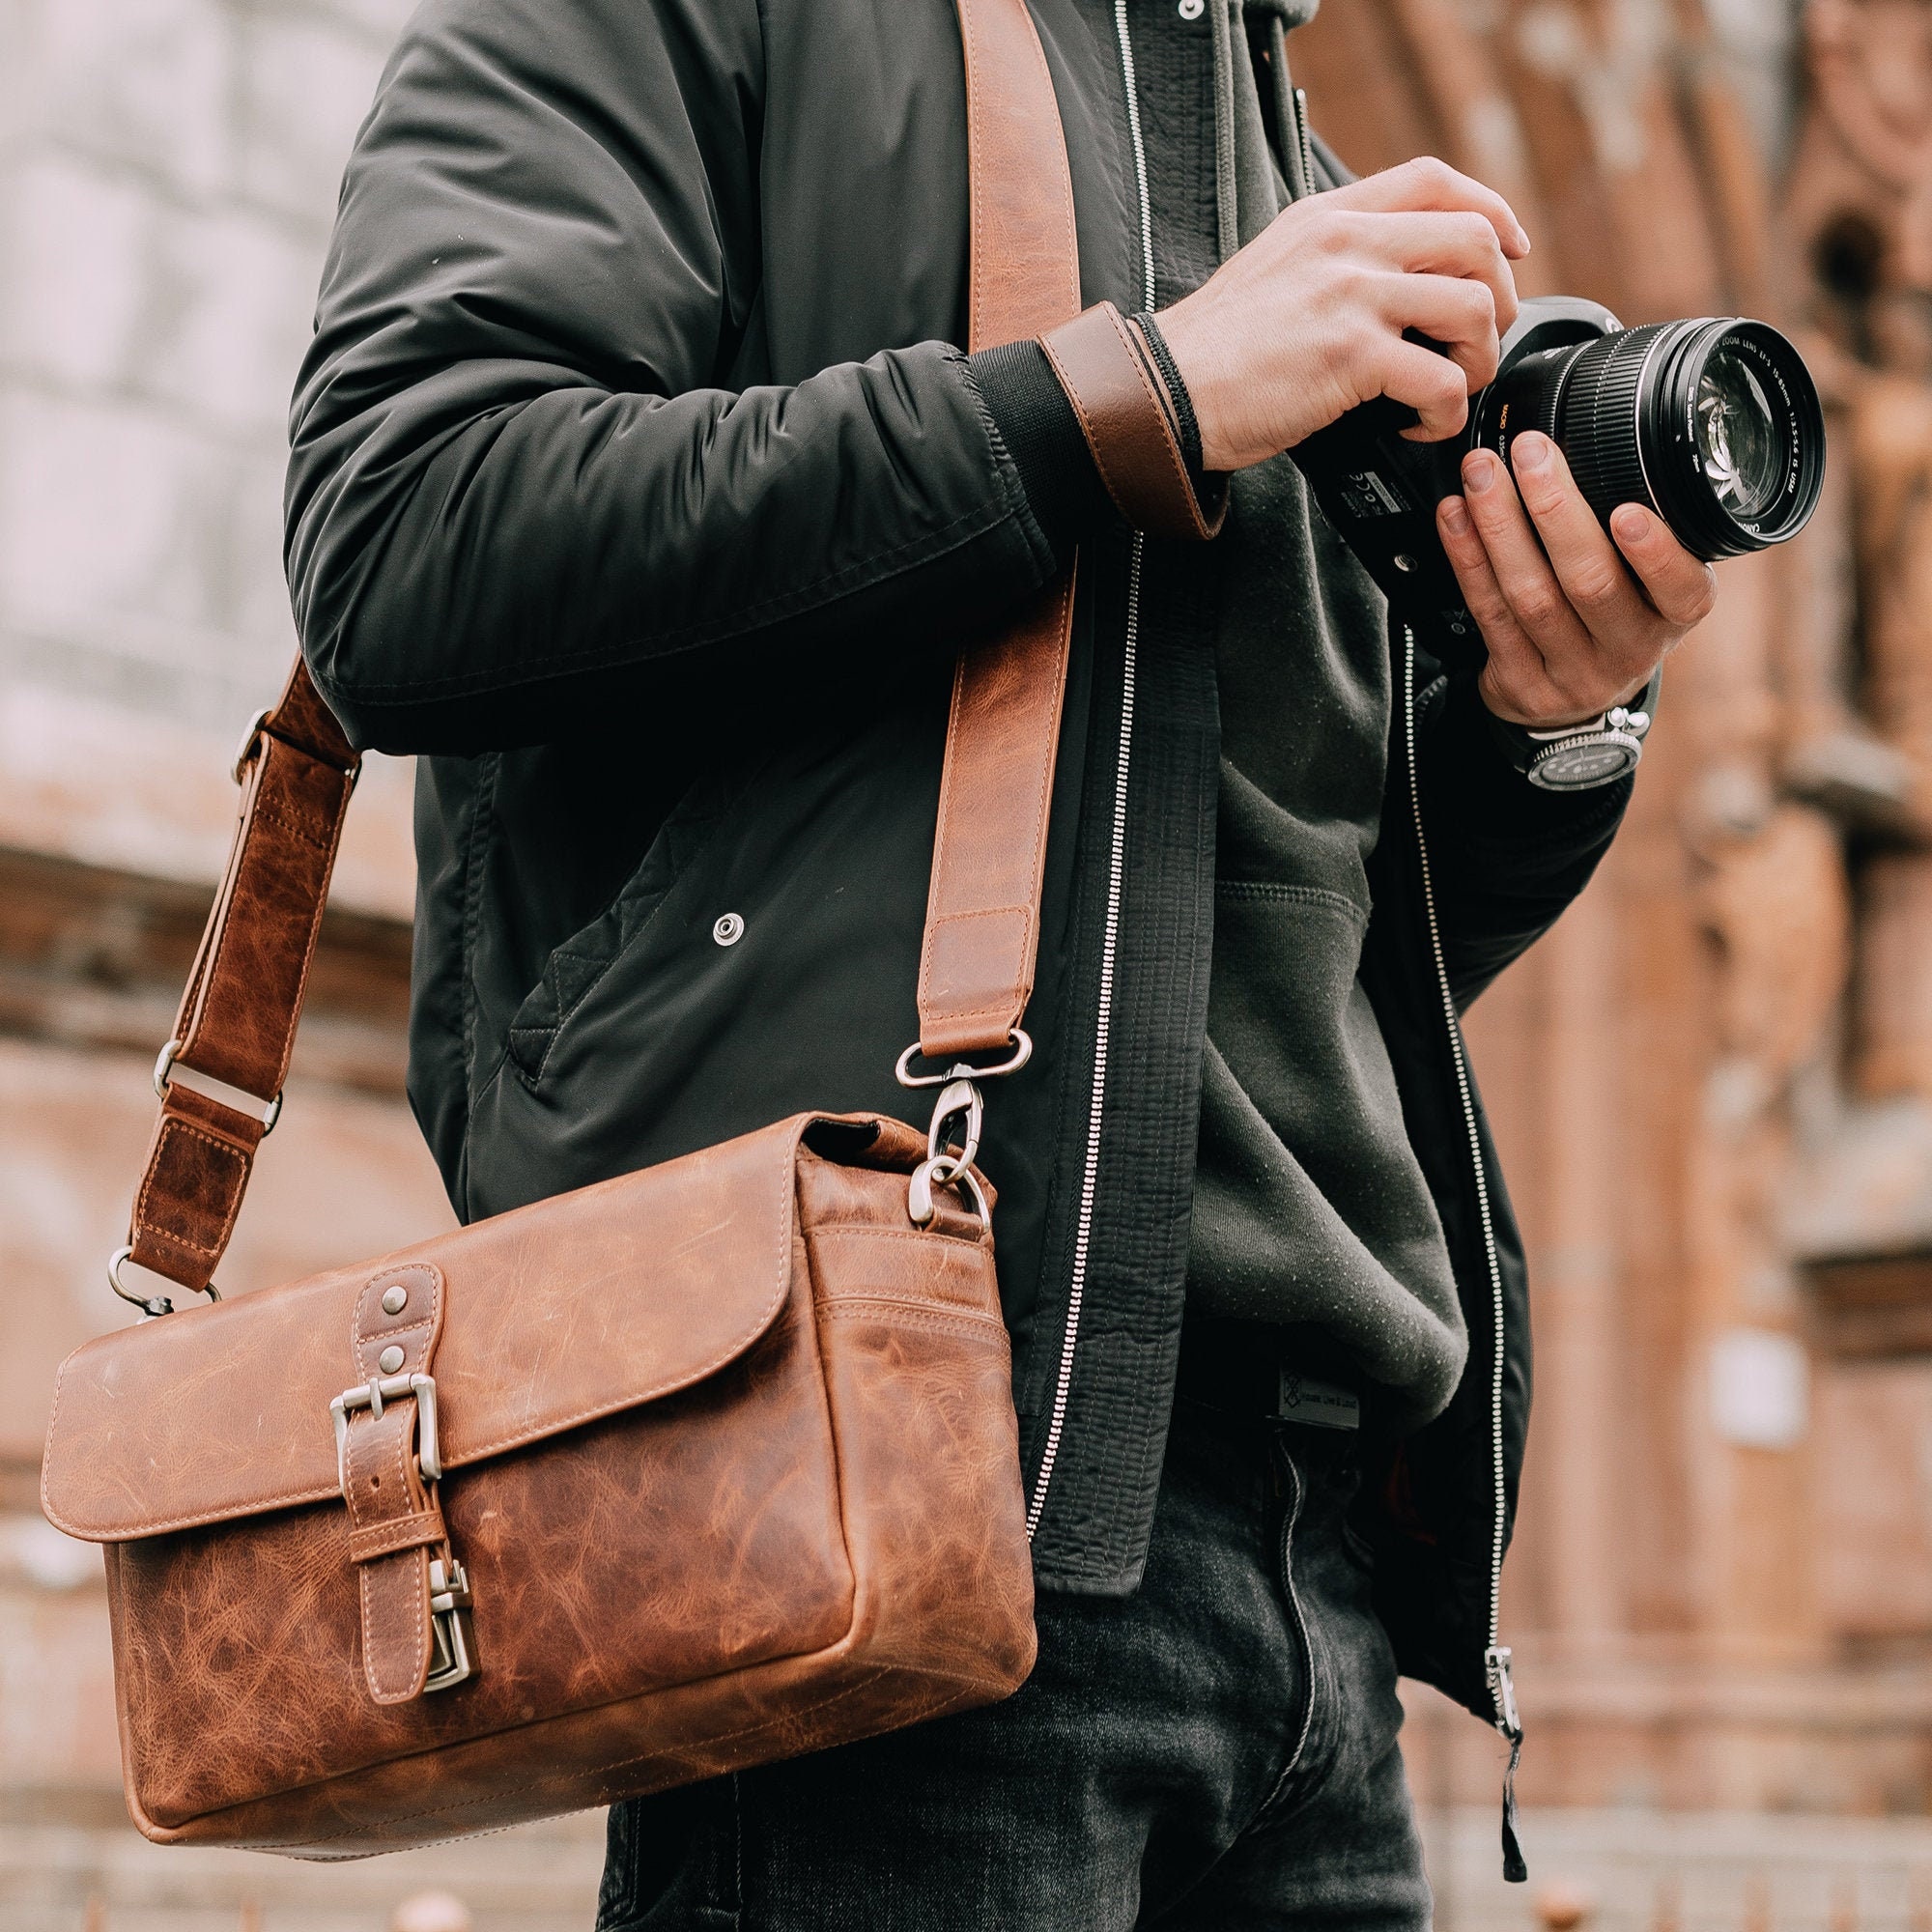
pixel 1585 762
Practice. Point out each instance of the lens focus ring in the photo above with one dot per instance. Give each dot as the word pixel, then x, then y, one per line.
pixel 1600 419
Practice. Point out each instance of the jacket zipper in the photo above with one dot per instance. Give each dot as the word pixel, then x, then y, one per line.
pixel 1496 1658
pixel 1117 854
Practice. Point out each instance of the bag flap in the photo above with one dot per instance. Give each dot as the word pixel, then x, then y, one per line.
pixel 557 1314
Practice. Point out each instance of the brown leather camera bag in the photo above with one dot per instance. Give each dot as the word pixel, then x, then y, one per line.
pixel 704 1466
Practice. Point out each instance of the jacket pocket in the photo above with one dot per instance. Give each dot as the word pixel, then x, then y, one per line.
pixel 574 969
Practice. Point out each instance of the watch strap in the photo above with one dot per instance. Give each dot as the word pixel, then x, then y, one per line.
pixel 1593 751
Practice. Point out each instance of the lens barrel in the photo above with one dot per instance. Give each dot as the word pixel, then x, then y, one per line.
pixel 1715 423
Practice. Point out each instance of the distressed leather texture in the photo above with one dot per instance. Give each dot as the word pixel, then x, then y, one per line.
pixel 819 1535
pixel 976 968
pixel 572 1309
pixel 238 1017
pixel 1127 417
pixel 727 1445
pixel 190 1193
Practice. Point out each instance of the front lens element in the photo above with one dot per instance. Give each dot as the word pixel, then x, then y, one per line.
pixel 1714 422
pixel 1745 452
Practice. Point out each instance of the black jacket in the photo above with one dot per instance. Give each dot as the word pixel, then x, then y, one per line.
pixel 636 482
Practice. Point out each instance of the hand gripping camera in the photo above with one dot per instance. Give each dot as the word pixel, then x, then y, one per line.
pixel 1714 423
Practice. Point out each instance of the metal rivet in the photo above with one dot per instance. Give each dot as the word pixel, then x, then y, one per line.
pixel 390 1360
pixel 729 929
pixel 1404 563
pixel 395 1299
pixel 1192 10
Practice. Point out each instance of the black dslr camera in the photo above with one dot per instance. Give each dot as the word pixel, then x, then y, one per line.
pixel 1714 423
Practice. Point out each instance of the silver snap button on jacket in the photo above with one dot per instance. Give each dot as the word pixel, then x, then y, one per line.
pixel 729 929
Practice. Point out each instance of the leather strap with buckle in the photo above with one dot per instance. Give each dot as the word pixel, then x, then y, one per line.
pixel 416 1633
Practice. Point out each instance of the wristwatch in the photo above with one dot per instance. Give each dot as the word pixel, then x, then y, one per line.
pixel 1578 757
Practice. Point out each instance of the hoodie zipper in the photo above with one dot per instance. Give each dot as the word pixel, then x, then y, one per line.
pixel 1496 1658
pixel 1117 857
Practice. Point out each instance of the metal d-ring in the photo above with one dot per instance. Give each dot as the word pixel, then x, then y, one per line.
pixel 1018 1039
pixel 149 1305
pixel 944 1171
pixel 251 737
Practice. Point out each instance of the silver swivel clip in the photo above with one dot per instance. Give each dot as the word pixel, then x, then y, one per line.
pixel 950 1160
pixel 959 1117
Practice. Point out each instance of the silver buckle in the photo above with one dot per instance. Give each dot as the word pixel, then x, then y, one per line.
pixel 452 1635
pixel 164 1071
pixel 372 1395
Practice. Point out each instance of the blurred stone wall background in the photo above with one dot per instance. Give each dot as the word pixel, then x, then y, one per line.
pixel 168 171
pixel 1713 1082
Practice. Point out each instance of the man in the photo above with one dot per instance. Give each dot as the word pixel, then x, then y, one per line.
pixel 639 485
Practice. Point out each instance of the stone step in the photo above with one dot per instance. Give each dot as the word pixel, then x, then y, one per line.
pixel 1629 1871
pixel 1704 1871
pixel 76 1878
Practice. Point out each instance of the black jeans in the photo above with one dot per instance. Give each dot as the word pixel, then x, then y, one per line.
pixel 1216 1751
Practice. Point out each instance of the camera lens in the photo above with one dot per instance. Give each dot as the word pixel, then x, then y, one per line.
pixel 1738 436
pixel 1715 423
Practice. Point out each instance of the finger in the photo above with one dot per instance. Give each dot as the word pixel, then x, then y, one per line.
pixel 1457 244
pixel 1601 592
pixel 1430 183
pixel 1461 316
pixel 1528 584
pixel 1683 588
pixel 1516 682
pixel 1431 385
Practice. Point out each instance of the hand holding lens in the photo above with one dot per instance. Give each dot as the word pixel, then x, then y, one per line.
pixel 1714 423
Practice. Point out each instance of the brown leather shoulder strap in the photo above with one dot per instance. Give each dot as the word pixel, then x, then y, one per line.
pixel 236 1024
pixel 244 997
pixel 990 852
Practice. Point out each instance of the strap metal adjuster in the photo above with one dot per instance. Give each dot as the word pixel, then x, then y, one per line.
pixel 165 1077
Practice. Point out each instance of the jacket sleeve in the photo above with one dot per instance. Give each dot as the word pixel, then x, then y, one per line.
pixel 522 486
pixel 1505 857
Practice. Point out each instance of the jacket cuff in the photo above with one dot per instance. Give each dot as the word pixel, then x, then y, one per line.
pixel 1133 425
pixel 1042 434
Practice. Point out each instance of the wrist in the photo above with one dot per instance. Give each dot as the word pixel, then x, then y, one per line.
pixel 1192 365
pixel 1630 700
pixel 1584 753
